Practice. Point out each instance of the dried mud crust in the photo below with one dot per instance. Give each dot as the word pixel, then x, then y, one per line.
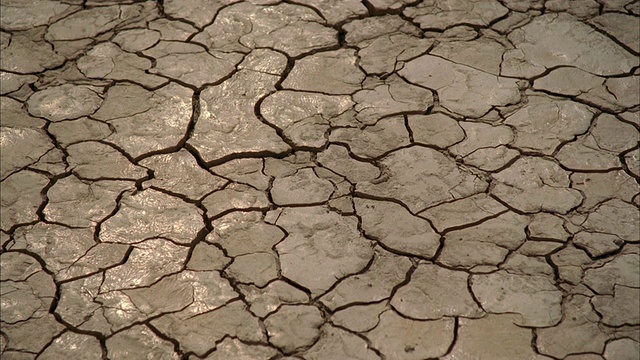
pixel 320 179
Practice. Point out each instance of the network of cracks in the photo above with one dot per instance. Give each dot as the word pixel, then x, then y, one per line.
pixel 320 179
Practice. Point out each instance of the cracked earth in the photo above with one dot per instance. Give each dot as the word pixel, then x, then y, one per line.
pixel 320 179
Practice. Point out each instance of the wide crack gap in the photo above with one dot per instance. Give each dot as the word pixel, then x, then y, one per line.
pixel 471 224
pixel 241 155
pixel 124 259
pixel 366 268
pixel 625 166
pixel 473 295
pixel 161 335
pixel 116 208
pixel 605 108
pixel 603 31
pixel 45 199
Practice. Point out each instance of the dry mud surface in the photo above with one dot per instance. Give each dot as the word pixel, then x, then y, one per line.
pixel 320 179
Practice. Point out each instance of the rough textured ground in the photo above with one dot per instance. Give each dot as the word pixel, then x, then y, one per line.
pixel 309 179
